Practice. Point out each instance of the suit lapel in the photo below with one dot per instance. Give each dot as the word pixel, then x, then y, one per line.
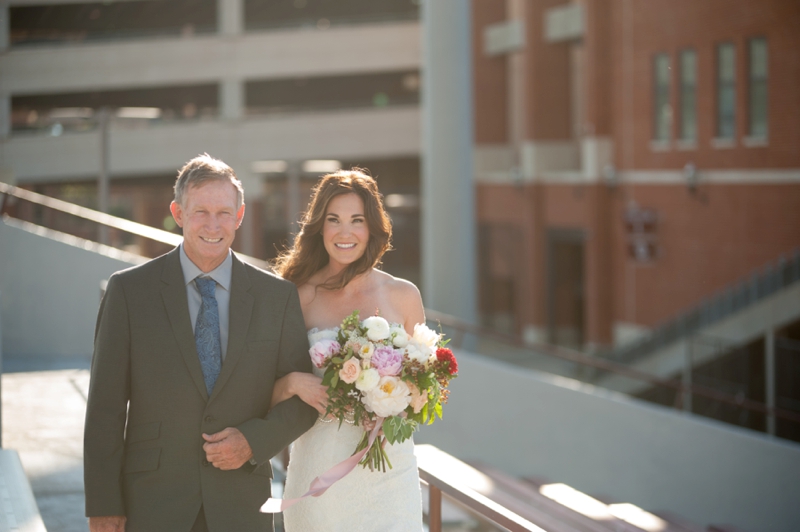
pixel 173 292
pixel 241 310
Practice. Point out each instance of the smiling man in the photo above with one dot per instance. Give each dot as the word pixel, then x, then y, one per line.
pixel 188 346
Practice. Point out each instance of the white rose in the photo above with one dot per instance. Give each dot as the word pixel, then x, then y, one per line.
pixel 377 328
pixel 400 337
pixel 368 379
pixel 390 397
pixel 315 335
pixel 418 351
pixel 366 351
pixel 424 335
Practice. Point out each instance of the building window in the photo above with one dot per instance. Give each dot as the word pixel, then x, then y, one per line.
pixel 726 91
pixel 688 131
pixel 757 89
pixel 661 109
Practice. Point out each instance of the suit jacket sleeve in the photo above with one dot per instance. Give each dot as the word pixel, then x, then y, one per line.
pixel 106 407
pixel 291 418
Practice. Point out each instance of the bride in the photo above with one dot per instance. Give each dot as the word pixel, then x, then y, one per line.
pixel 343 236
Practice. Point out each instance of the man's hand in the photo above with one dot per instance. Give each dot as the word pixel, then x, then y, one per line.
pixel 107 523
pixel 227 449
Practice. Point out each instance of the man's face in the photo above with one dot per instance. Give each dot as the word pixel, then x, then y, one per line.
pixel 209 217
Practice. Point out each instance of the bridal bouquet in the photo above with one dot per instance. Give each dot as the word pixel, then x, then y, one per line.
pixel 376 372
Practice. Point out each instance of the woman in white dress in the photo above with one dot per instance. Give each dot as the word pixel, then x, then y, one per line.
pixel 343 236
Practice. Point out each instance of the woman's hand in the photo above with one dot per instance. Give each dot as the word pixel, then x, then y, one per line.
pixel 309 388
pixel 306 386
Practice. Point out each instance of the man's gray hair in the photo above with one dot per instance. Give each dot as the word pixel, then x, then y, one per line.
pixel 202 169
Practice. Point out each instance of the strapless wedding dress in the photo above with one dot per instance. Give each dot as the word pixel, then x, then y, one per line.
pixel 362 501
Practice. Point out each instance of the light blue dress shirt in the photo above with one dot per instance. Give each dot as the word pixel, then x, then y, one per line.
pixel 222 275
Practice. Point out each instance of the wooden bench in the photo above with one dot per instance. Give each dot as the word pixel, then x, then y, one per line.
pixel 18 510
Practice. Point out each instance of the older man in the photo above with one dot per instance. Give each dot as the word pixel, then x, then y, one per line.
pixel 187 347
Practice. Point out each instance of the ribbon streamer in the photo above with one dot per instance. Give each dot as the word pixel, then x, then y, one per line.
pixel 330 477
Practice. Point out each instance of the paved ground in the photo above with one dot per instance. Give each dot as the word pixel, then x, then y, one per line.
pixel 43 420
pixel 43 406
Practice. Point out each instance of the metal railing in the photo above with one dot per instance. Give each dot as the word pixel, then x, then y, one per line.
pixel 747 292
pixel 460 329
pixel 107 220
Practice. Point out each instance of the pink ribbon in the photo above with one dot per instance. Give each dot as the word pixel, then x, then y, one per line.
pixel 330 477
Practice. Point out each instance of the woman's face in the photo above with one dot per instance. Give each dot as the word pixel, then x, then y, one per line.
pixel 344 231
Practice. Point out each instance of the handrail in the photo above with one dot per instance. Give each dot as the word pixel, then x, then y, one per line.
pixel 746 292
pixel 115 222
pixel 444 474
pixel 553 351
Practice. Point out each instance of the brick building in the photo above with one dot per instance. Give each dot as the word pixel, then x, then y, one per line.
pixel 632 158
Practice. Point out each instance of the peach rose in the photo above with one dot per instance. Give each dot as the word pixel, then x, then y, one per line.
pixel 350 371
pixel 418 399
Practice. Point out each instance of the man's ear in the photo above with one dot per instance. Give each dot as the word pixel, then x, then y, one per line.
pixel 239 216
pixel 177 213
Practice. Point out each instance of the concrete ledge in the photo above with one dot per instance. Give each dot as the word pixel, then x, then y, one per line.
pixel 18 510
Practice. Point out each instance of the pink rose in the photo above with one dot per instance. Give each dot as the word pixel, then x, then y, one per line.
pixel 387 361
pixel 350 370
pixel 322 351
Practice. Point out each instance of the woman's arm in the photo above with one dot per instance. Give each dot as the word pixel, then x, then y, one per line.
pixel 306 386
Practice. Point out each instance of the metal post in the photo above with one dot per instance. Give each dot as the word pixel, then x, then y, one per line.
pixel 687 375
pixel 103 119
pixel 449 280
pixel 769 371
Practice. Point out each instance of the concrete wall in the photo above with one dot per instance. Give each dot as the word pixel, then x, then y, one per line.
pixel 602 443
pixel 50 285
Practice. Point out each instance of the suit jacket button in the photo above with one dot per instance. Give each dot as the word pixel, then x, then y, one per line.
pixel 209 419
pixel 205 462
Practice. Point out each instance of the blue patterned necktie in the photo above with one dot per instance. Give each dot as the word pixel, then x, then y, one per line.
pixel 206 332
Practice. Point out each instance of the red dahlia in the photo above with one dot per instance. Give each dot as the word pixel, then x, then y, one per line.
pixel 445 355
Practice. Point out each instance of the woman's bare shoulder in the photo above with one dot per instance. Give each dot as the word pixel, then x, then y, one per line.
pixel 397 287
pixel 405 297
pixel 307 293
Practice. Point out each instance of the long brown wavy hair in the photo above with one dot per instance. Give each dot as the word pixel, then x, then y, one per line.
pixel 308 255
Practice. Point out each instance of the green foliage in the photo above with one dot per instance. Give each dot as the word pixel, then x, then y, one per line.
pixel 398 429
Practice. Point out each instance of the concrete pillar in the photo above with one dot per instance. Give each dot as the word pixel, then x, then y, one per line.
pixel 5 115
pixel 1 369
pixel 5 42
pixel 449 281
pixel 230 17
pixel 293 206
pixel 253 192
pixel 5 26
pixel 769 372
pixel 104 174
pixel 231 99
pixel 687 375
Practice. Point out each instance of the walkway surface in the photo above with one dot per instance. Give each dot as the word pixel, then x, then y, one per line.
pixel 43 421
pixel 44 402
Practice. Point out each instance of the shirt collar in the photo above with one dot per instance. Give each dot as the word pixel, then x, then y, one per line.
pixel 221 274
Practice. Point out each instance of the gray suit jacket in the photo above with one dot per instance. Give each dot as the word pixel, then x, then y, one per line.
pixel 148 405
